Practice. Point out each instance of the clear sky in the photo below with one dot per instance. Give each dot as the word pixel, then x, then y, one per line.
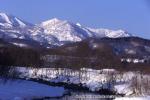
pixel 130 15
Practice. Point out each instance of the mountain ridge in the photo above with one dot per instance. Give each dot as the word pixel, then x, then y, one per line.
pixel 66 26
pixel 51 32
pixel 61 37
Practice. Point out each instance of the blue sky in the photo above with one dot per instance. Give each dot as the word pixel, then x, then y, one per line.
pixel 130 15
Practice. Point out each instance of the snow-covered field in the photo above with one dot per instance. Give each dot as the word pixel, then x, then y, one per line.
pixel 134 98
pixel 127 83
pixel 134 85
pixel 27 90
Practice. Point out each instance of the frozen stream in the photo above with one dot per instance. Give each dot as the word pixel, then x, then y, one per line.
pixel 26 90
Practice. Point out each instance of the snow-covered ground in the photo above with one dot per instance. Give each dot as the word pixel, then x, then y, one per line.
pixel 27 90
pixel 128 83
pixel 133 98
pixel 131 84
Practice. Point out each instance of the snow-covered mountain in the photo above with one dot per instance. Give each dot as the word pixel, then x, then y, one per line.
pixel 10 21
pixel 51 32
pixel 110 33
pixel 67 31
pixel 12 28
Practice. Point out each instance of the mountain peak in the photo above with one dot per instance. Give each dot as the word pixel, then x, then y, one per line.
pixel 4 18
pixel 101 32
pixel 55 19
pixel 7 20
pixel 51 21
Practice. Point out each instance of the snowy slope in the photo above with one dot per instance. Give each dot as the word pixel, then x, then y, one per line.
pixel 10 21
pixel 64 30
pixel 109 33
pixel 67 31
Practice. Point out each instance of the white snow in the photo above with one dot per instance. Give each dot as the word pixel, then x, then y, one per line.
pixel 133 98
pixel 52 21
pixel 13 27
pixel 109 33
pixel 5 17
pixel 67 31
pixel 124 89
pixel 20 44
pixel 93 79
pixel 2 24
pixel 25 90
pixel 12 21
pixel 78 24
pixel 131 60
pixel 63 30
pixel 20 22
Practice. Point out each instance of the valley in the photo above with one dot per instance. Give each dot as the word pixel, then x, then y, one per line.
pixel 71 59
